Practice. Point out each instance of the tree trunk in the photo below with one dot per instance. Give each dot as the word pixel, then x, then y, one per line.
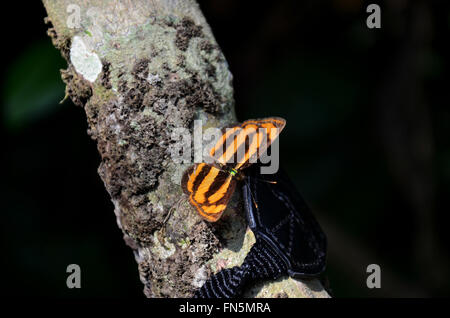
pixel 141 69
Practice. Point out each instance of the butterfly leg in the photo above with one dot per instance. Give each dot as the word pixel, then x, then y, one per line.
pixel 176 205
pixel 162 232
pixel 251 193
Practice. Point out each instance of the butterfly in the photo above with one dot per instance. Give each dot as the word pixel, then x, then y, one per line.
pixel 288 238
pixel 277 214
pixel 210 186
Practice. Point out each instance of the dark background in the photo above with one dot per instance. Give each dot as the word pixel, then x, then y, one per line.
pixel 366 142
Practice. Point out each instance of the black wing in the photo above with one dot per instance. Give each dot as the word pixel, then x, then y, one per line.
pixel 277 214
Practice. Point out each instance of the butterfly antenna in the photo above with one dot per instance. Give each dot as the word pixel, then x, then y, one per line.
pixel 267 181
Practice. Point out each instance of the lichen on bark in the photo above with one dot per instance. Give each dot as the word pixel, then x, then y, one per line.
pixel 161 68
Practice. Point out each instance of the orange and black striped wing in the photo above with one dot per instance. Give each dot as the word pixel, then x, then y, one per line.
pixel 209 189
pixel 242 145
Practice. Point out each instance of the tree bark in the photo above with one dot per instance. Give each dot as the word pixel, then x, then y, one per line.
pixel 141 69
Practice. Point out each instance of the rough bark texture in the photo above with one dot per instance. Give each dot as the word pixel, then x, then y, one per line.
pixel 141 69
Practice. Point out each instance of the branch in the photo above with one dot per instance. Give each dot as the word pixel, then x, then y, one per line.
pixel 140 69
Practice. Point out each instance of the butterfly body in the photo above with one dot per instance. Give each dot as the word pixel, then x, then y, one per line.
pixel 210 186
